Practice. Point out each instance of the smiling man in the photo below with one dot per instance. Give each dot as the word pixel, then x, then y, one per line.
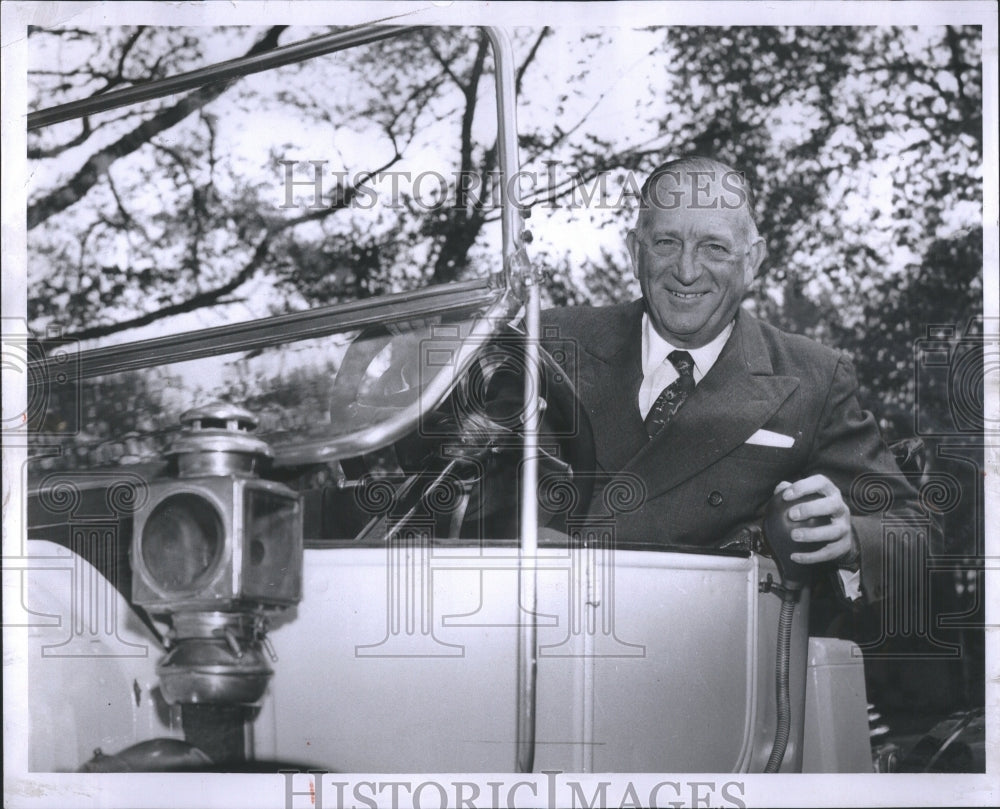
pixel 701 411
pixel 695 249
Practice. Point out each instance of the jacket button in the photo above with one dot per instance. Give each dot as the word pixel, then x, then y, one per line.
pixel 715 498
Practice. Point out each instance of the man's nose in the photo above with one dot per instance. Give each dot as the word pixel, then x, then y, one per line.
pixel 687 270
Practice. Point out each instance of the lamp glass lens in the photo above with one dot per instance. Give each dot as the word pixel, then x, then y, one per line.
pixel 182 541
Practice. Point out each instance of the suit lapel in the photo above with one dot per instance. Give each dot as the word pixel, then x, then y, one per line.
pixel 610 372
pixel 737 396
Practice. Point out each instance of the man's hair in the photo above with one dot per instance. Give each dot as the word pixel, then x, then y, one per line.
pixel 699 163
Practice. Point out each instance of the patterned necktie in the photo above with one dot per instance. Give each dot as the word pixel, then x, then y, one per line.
pixel 673 395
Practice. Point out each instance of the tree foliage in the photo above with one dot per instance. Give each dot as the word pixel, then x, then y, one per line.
pixel 864 145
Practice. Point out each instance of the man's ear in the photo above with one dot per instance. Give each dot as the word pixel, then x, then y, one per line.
pixel 755 257
pixel 632 243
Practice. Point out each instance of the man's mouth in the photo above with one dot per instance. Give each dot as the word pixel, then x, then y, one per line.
pixel 686 296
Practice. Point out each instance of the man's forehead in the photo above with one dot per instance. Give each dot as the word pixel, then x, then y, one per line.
pixel 701 223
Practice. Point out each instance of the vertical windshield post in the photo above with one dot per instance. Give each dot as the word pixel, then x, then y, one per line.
pixel 521 279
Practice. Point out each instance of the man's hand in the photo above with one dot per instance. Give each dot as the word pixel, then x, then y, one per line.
pixel 841 546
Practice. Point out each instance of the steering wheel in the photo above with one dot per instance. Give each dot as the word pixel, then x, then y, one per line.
pixel 474 439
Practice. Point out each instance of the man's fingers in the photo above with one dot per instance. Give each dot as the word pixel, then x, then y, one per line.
pixel 829 506
pixel 828 553
pixel 814 484
pixel 822 533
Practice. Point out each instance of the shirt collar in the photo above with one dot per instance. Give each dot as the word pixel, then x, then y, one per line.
pixel 655 349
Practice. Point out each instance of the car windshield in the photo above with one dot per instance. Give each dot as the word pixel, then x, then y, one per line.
pixel 376 250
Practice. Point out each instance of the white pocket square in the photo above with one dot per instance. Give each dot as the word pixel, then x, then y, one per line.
pixel 766 438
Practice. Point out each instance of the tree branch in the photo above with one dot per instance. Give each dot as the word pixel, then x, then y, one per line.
pixel 119 75
pixel 956 64
pixel 202 299
pixel 98 163
pixel 471 92
pixel 215 295
pixel 519 77
pixel 562 134
pixel 55 151
pixel 445 65
pixel 127 220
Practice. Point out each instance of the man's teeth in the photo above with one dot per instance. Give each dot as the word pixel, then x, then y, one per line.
pixel 686 294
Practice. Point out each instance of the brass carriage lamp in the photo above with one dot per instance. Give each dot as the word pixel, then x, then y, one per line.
pixel 218 551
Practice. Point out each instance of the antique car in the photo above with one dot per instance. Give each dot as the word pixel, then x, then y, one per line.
pixel 401 584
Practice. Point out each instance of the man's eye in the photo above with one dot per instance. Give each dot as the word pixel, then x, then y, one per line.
pixel 717 249
pixel 666 242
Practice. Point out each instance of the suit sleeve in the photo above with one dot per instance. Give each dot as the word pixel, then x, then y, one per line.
pixel 849 450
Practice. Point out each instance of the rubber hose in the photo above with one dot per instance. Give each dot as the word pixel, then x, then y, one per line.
pixel 781 664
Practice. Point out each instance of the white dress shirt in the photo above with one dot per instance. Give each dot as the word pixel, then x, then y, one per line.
pixel 658 371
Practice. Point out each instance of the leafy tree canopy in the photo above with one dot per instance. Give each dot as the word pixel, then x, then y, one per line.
pixel 864 145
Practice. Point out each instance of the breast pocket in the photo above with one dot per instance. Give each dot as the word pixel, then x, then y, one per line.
pixel 760 454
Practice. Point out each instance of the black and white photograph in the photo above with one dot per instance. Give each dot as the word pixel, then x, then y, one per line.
pixel 468 404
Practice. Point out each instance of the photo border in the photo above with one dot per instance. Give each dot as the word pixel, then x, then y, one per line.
pixel 24 789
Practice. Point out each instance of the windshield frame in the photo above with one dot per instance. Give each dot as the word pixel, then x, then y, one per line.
pixel 496 298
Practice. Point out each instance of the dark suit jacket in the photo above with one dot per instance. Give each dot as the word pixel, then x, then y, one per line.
pixel 702 481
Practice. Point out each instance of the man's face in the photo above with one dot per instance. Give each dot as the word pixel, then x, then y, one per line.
pixel 694 254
